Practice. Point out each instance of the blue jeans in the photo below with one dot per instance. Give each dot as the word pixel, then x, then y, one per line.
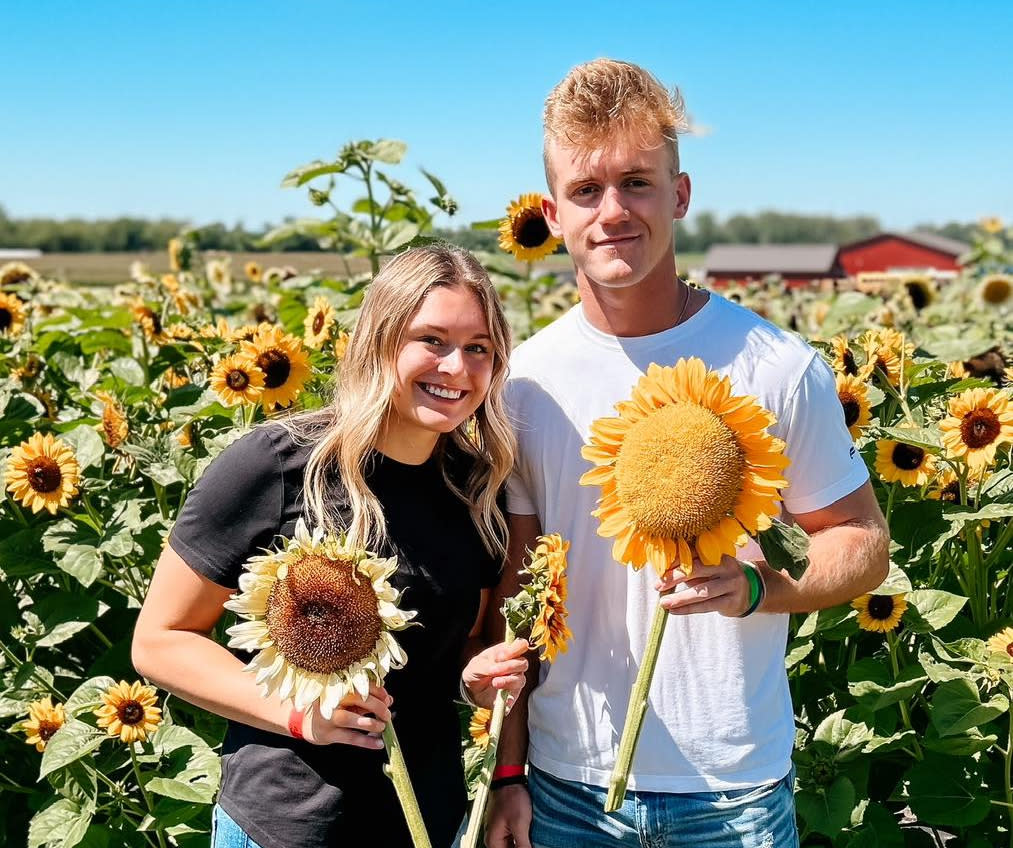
pixel 225 833
pixel 568 814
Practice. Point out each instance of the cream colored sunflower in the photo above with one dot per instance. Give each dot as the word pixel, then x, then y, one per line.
pixel 979 421
pixel 920 289
pixel 686 466
pixel 549 632
pixel 114 420
pixel 42 473
pixel 909 465
pixel 128 711
pixel 854 397
pixel 12 315
pixel 1002 643
pixel 318 323
pixel 319 615
pixel 879 613
pixel 285 364
pixel 524 232
pixel 14 273
pixel 996 290
pixel 237 379
pixel 219 273
pixel 253 271
pixel 44 719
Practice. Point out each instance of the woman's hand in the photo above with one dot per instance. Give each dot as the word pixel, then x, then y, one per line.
pixel 355 722
pixel 498 667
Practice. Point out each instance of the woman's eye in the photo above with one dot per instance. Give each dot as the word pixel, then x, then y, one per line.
pixel 432 340
pixel 478 348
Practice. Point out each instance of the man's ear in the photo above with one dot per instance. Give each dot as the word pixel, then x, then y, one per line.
pixel 551 213
pixel 683 189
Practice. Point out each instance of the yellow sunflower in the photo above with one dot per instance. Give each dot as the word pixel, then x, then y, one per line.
pixel 114 420
pixel 854 398
pixel 253 271
pixel 548 565
pixel 844 360
pixel 16 272
pixel 319 615
pixel 478 726
pixel 991 224
pixel 285 364
pixel 318 323
pixel 42 473
pixel 885 359
pixel 177 254
pixel 341 345
pixel 909 465
pixel 879 613
pixel 12 315
pixel 920 290
pixel 149 320
pixel 686 466
pixel 1002 642
pixel 237 379
pixel 44 719
pixel 524 232
pixel 957 370
pixel 979 421
pixel 996 290
pixel 219 272
pixel 128 710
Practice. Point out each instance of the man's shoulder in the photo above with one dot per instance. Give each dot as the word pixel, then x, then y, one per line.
pixel 532 356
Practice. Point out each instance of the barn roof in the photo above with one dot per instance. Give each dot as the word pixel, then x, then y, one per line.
pixel 929 240
pixel 770 258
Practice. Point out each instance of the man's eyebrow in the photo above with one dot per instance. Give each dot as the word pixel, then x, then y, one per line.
pixel 588 178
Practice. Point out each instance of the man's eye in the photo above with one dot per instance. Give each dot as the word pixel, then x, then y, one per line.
pixel 585 191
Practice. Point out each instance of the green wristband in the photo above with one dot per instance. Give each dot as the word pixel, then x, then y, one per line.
pixel 756 587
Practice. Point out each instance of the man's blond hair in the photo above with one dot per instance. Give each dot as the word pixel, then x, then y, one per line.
pixel 604 101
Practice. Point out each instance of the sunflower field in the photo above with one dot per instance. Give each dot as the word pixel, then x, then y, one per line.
pixel 114 400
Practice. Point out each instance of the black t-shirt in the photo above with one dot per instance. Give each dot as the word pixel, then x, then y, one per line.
pixel 290 794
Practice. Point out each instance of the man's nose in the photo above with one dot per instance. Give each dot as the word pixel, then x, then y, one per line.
pixel 612 209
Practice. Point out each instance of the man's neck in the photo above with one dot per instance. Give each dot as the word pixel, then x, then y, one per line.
pixel 655 304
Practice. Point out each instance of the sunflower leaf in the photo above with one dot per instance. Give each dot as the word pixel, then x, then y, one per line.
pixel 956 707
pixel 946 791
pixel 828 810
pixel 70 743
pixel 920 437
pixel 929 610
pixel 88 696
pixel 310 171
pixel 785 548
pixel 60 825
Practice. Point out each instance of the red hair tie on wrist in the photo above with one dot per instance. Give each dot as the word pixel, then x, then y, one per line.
pixel 295 720
pixel 507 771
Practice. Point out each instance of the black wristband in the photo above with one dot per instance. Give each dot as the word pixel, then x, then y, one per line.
pixel 513 780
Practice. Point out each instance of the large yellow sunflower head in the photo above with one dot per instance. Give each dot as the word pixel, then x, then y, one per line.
pixel 524 232
pixel 44 719
pixel 1002 643
pixel 319 617
pixel 879 613
pixel 285 364
pixel 478 727
pixel 909 465
pixel 996 290
pixel 920 289
pixel 12 315
pixel 14 273
pixel 128 711
pixel 854 397
pixel 549 632
pixel 114 420
pixel 979 421
pixel 42 473
pixel 686 467
pixel 237 379
pixel 318 323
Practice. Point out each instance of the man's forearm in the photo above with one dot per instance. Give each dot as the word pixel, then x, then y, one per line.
pixel 513 740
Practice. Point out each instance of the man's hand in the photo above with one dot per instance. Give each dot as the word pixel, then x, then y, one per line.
pixel 722 588
pixel 498 667
pixel 508 824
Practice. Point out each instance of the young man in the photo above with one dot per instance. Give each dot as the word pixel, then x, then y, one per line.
pixel 713 765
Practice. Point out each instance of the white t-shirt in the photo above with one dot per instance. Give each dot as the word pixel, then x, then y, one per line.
pixel 720 712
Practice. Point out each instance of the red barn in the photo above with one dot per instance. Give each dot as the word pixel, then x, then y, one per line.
pixel 901 251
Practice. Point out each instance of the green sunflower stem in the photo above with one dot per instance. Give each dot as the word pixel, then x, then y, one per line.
pixel 477 815
pixel 397 771
pixel 635 713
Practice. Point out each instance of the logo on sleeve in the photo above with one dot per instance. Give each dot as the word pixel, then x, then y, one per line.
pixel 852 454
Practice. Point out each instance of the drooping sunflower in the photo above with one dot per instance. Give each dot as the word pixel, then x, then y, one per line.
pixel 319 615
pixel 979 421
pixel 44 719
pixel 114 420
pixel 524 232
pixel 478 726
pixel 42 473
pixel 882 357
pixel 996 290
pixel 879 613
pixel 909 465
pixel 318 323
pixel 128 710
pixel 341 345
pixel 284 363
pixel 550 632
pixel 920 289
pixel 844 359
pixel 178 254
pixel 686 466
pixel 253 271
pixel 149 320
pixel 854 397
pixel 16 272
pixel 237 379
pixel 1002 642
pixel 12 315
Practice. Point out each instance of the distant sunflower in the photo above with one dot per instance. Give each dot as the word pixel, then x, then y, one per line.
pixel 991 224
pixel 341 345
pixel 920 290
pixel 319 615
pixel 219 272
pixel 184 438
pixel 149 320
pixel 909 465
pixel 44 719
pixel 957 370
pixel 114 420
pixel 175 378
pixel 42 473
pixel 979 421
pixel 253 271
pixel 318 323
pixel 879 613
pixel 237 379
pixel 524 232
pixel 946 486
pixel 178 254
pixel 548 563
pixel 854 397
pixel 284 363
pixel 478 726
pixel 128 710
pixel 686 466
pixel 14 273
pixel 1002 642
pixel 996 290
pixel 12 315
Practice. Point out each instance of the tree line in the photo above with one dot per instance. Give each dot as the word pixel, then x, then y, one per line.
pixel 126 234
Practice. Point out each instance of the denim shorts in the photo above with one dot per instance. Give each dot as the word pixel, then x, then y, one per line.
pixel 568 814
pixel 225 833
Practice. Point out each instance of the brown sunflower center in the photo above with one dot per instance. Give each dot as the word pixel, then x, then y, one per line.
pixel 996 291
pixel 14 277
pixel 130 712
pixel 950 492
pixel 47 727
pixel 919 294
pixel 1009 649
pixel 318 323
pixel 44 474
pixel 6 319
pixel 276 367
pixel 323 617
pixel 679 471
pixel 881 607
pixel 237 379
pixel 530 229
pixel 907 457
pixel 849 364
pixel 852 409
pixel 980 427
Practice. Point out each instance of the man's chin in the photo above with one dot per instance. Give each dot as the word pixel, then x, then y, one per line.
pixel 618 275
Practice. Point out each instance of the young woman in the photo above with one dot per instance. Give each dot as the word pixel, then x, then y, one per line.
pixel 409 461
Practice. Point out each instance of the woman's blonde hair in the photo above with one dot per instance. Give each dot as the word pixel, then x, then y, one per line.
pixel 344 434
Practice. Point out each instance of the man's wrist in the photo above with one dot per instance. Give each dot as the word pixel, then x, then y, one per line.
pixel 757 588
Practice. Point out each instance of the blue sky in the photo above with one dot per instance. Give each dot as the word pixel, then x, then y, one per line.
pixel 901 110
